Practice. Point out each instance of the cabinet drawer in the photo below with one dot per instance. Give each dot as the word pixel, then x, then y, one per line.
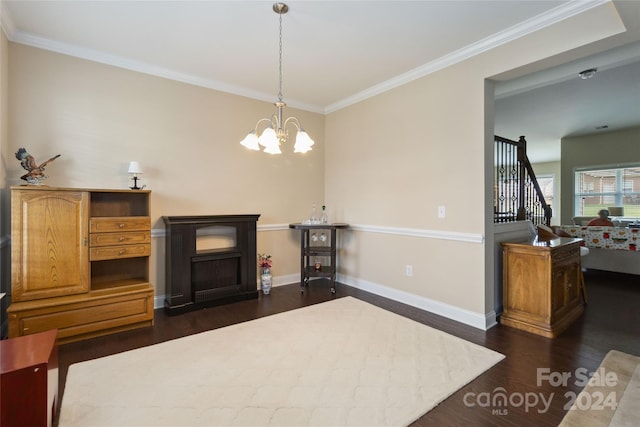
pixel 125 238
pixel 87 317
pixel 122 223
pixel 122 251
pixel 84 316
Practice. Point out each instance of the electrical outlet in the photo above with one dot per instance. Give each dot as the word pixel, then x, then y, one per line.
pixel 441 212
pixel 408 270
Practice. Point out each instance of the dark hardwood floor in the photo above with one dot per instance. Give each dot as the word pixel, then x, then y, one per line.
pixel 611 321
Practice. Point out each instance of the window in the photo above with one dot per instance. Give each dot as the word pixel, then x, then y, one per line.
pixel 546 185
pixel 601 188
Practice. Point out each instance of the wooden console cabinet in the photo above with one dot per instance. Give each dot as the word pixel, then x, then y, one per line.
pixel 79 261
pixel 200 277
pixel 541 285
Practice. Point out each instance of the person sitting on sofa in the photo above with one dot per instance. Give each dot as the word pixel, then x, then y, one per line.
pixel 602 220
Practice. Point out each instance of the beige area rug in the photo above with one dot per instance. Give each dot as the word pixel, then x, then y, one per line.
pixel 613 396
pixel 343 362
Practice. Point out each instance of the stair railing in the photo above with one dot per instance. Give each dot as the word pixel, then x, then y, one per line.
pixel 517 193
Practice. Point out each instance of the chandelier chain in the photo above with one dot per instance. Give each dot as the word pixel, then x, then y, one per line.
pixel 280 59
pixel 276 133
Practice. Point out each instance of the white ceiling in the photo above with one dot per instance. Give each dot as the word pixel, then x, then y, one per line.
pixel 557 103
pixel 336 52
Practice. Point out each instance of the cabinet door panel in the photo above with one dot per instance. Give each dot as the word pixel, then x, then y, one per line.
pixel 49 238
pixel 558 292
pixel 574 295
pixel 527 275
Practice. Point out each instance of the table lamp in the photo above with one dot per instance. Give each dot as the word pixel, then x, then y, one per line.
pixel 134 168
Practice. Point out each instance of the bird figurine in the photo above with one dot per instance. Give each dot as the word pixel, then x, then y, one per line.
pixel 35 173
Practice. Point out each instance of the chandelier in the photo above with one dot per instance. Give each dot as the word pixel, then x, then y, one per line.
pixel 275 132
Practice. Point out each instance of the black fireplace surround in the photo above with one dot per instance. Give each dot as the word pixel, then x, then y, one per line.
pixel 200 278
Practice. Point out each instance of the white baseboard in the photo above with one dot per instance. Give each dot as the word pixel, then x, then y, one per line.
pixel 461 315
pixel 158 301
pixel 477 320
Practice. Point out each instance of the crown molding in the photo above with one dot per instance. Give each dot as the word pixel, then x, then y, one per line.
pixel 553 16
pixel 141 67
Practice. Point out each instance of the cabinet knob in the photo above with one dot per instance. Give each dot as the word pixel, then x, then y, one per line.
pixel 121 225
pixel 122 238
pixel 122 252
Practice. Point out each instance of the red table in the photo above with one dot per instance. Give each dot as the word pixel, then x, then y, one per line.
pixel 28 379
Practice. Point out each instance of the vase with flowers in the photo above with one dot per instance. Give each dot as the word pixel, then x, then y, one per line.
pixel 265 263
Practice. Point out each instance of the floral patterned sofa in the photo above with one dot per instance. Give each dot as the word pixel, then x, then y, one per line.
pixel 619 238
pixel 610 248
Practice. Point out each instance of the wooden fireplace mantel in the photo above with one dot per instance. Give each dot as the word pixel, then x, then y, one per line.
pixel 200 278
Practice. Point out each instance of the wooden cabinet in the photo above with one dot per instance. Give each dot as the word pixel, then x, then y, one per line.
pixel 541 285
pixel 48 239
pixel 80 261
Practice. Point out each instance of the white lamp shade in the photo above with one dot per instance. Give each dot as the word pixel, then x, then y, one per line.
pixel 273 149
pixel 300 149
pixel 134 167
pixel 268 138
pixel 251 141
pixel 303 142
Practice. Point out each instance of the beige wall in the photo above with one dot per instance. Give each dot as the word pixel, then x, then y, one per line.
pixel 552 168
pixel 185 137
pixel 384 165
pixel 391 160
pixel 614 149
pixel 397 172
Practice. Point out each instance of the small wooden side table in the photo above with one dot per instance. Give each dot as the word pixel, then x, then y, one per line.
pixel 311 247
pixel 541 285
pixel 29 379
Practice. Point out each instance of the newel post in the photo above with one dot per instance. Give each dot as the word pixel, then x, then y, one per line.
pixel 522 155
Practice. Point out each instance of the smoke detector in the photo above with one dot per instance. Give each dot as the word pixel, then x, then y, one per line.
pixel 587 74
